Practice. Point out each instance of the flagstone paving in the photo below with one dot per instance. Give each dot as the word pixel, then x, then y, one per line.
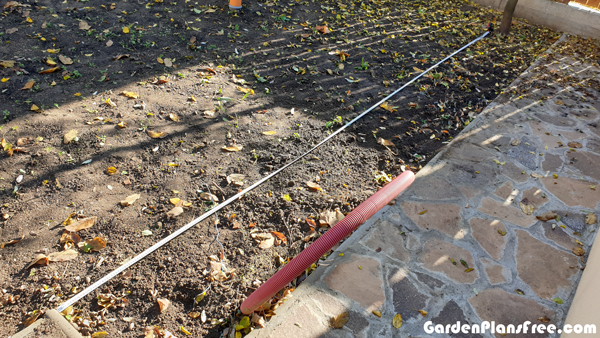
pixel 538 144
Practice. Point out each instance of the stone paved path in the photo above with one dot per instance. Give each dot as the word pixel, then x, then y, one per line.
pixel 533 146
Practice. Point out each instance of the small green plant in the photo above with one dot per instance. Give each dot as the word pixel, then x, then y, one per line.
pixel 337 120
pixel 6 114
pixel 363 65
pixel 76 73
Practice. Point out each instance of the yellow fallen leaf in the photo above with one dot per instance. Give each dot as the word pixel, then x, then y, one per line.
pixel 423 212
pixel 155 134
pixel 174 117
pixel 423 312
pixel 388 107
pixel 174 201
pixel 377 313
pixel 100 334
pixel 53 51
pixel 125 30
pixel 34 108
pixel 273 132
pixel 5 79
pixel 246 90
pixel 111 170
pixel 28 85
pixel 397 321
pixel 340 320
pixel 130 95
pixel 185 331
pixel 233 148
pixel 122 124
pixel 29 20
pixel 50 70
pixel 159 60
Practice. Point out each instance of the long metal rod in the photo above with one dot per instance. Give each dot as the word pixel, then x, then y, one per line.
pixel 183 229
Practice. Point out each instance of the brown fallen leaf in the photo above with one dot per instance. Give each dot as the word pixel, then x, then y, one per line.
pixel 174 212
pixel 129 200
pixel 236 179
pixel 50 70
pixel 11 242
pixel 323 29
pixel 574 145
pixel 578 251
pixel 330 218
pixel 84 25
pixel 314 186
pixel 23 141
pixel 397 321
pixel 65 60
pixel 148 332
pixel 62 256
pixel 232 148
pixel 120 56
pixel 109 43
pixel 130 95
pixel 7 63
pixel 340 320
pixel 280 236
pixel 258 320
pixel 28 85
pixel 95 244
pixel 591 218
pixel 385 142
pixel 82 224
pixel 174 117
pixel 168 62
pixel 163 304
pixel 32 318
pixel 544 319
pixel 39 259
pixel 155 134
pixel 70 136
pixel 267 243
pixel 209 197
pixel 423 312
pixel 547 216
pixel 12 30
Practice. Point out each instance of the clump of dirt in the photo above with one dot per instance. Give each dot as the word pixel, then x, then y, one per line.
pixel 172 100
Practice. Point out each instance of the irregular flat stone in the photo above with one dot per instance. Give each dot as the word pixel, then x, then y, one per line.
pixel 357 324
pixel 505 212
pixel 434 189
pixel 412 242
pixel 407 297
pixel 486 234
pixel 534 197
pixel 310 325
pixel 552 163
pixel 386 236
pixel 544 268
pixel 573 192
pixel 558 236
pixel 513 172
pixel 587 163
pixel 433 283
pixel 505 308
pixel 466 175
pixel 593 145
pixel 573 220
pixel 436 257
pixel 505 191
pixel 556 120
pixel 442 217
pixel 586 114
pixel 468 152
pixel 328 304
pixel 523 153
pixel 546 136
pixel 364 286
pixel 450 314
pixel 495 272
pixel 469 192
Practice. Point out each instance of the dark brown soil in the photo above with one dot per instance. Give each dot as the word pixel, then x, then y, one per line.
pixel 300 91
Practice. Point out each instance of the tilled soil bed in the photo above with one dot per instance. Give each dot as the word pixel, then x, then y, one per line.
pixel 169 99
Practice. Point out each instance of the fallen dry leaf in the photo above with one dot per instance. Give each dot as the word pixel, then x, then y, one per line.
pixel 209 197
pixel 129 200
pixel 51 70
pixel 536 175
pixel 39 259
pixel 82 224
pixel 527 208
pixel 237 179
pixel 70 136
pixel 7 63
pixel 63 256
pixel 28 85
pixel 258 320
pixel 130 95
pixel 233 148
pixel 155 134
pixel 168 62
pixel 95 244
pixel 340 320
pixel 515 142
pixel 65 60
pixel 385 142
pixel 387 107
pixel 122 124
pixel 547 216
pixel 11 242
pixel 246 90
pixel 544 319
pixel 280 236
pixel 397 321
pixel 174 117
pixel 174 212
pixel 84 25
pixel 574 145
pixel 591 218
pixel 323 29
pixel 269 132
pixel 330 218
pixel 314 186
pixel 32 318
pixel 109 43
pixel 34 108
pixel 423 313
pixel 578 251
pixel 163 304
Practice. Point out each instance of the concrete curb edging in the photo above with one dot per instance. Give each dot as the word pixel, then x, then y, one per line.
pixel 55 318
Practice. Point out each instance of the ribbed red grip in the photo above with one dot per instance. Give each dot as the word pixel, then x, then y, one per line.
pixel 324 243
